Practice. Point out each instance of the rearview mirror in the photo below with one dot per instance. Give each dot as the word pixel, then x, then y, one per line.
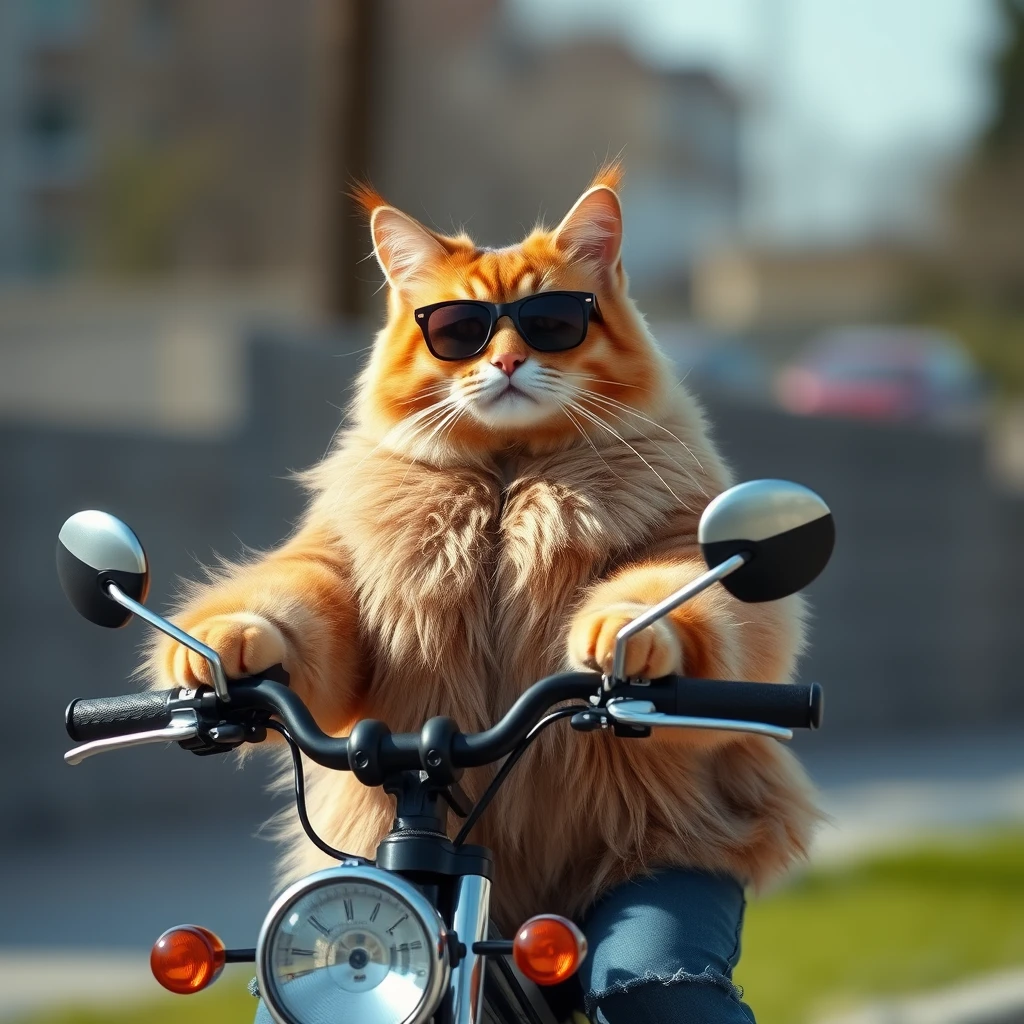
pixel 95 549
pixel 784 529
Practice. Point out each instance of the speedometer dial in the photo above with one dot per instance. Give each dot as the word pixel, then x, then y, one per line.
pixel 352 945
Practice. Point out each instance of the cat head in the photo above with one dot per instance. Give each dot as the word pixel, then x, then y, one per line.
pixel 510 394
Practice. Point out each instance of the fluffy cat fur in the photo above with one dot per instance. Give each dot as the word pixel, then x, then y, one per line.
pixel 462 542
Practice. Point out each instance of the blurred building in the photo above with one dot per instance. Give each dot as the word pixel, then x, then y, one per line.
pixel 180 136
pixel 152 135
pixel 492 128
pixel 189 142
pixel 42 137
pixel 781 293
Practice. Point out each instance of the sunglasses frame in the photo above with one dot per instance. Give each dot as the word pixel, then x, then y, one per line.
pixel 587 300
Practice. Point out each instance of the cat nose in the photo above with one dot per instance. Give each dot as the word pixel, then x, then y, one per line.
pixel 508 361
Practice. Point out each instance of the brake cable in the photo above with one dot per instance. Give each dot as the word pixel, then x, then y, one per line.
pixel 300 796
pixel 471 818
pixel 508 764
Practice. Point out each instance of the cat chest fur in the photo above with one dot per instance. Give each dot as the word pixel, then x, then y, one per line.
pixel 466 581
pixel 465 584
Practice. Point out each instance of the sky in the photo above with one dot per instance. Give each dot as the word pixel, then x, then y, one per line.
pixel 860 100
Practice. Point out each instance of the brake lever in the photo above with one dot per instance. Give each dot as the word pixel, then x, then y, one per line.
pixel 183 726
pixel 644 713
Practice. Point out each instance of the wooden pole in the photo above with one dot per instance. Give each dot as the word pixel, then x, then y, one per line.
pixel 350 68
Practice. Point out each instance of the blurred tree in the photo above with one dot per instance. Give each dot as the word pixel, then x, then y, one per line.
pixel 986 253
pixel 351 52
pixel 1005 129
pixel 142 197
pixel 981 297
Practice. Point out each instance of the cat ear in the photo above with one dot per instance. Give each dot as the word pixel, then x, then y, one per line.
pixel 405 249
pixel 592 229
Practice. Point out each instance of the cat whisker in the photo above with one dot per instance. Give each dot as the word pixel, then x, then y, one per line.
pixel 576 407
pixel 594 396
pixel 451 426
pixel 441 429
pixel 668 454
pixel 586 437
pixel 354 352
pixel 438 389
pixel 550 387
pixel 598 380
pixel 441 411
pixel 408 429
pixel 425 414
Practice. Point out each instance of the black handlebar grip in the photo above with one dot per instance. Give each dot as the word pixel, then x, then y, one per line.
pixel 97 718
pixel 790 705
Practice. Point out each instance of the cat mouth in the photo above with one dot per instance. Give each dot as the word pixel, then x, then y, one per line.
pixel 508 394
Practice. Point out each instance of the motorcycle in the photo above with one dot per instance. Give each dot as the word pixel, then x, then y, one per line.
pixel 406 938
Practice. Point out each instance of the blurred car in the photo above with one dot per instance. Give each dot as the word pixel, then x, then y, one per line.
pixel 884 373
pixel 720 363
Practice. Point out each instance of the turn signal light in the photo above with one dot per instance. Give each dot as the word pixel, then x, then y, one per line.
pixel 549 949
pixel 187 959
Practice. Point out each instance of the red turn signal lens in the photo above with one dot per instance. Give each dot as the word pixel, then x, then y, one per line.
pixel 186 959
pixel 549 949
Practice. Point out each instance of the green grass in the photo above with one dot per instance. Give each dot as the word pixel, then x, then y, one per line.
pixel 900 923
pixel 226 1003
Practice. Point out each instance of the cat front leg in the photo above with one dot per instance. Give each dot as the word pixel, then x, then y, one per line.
pixel 654 652
pixel 712 636
pixel 295 607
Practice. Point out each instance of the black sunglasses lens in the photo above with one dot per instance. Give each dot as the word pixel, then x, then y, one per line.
pixel 553 323
pixel 458 331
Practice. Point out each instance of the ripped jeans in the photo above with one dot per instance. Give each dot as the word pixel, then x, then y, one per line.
pixel 662 949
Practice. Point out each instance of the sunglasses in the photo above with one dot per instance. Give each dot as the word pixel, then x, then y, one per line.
pixel 547 322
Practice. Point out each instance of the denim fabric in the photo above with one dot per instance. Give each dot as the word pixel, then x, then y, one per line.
pixel 661 951
pixel 663 948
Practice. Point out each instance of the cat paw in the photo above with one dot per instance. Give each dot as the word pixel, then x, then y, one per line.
pixel 654 652
pixel 247 644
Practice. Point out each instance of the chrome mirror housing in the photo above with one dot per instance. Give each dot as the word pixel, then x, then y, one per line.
pixel 95 549
pixel 104 573
pixel 762 540
pixel 785 531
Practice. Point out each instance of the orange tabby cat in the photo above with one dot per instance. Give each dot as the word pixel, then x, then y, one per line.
pixel 467 537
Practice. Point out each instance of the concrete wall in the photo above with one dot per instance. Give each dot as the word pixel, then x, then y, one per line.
pixel 917 620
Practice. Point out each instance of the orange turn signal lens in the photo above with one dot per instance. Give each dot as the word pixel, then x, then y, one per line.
pixel 186 959
pixel 549 949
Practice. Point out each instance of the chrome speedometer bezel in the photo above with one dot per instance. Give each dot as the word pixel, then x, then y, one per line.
pixel 417 903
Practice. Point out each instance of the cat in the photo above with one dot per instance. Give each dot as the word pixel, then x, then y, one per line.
pixel 465 538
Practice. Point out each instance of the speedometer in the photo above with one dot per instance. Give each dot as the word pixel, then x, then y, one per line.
pixel 352 944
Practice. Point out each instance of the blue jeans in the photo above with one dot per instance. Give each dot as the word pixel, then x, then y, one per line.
pixel 663 948
pixel 661 951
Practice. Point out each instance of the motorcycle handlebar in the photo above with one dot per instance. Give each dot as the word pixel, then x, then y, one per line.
pixel 373 750
pixel 98 718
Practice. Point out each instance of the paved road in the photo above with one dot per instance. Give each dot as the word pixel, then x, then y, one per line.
pixel 111 895
pixel 122 891
pixel 889 790
pixel 79 921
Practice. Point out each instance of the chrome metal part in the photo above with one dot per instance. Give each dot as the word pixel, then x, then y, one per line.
pixel 102 541
pixel 758 510
pixel 330 986
pixel 183 726
pixel 469 921
pixel 220 682
pixel 659 611
pixel 643 712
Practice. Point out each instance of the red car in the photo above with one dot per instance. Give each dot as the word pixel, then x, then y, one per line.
pixel 900 373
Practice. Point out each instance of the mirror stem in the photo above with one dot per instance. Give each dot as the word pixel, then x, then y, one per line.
pixel 220 682
pixel 659 611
